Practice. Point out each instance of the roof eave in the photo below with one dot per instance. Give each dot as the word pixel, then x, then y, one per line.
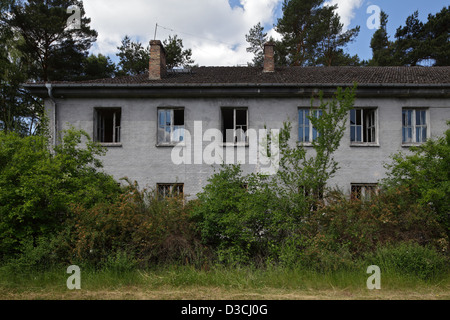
pixel 87 90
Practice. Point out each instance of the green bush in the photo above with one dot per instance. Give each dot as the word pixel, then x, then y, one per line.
pixel 410 258
pixel 37 186
pixel 361 226
pixel 35 255
pixel 120 262
pixel 426 172
pixel 139 225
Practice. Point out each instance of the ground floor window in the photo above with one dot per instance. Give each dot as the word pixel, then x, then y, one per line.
pixel 363 191
pixel 170 189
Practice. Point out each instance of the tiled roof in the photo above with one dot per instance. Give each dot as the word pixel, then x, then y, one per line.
pixel 291 75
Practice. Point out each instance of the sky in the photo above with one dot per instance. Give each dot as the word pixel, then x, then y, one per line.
pixel 215 29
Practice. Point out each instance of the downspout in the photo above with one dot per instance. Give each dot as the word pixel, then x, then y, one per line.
pixel 50 94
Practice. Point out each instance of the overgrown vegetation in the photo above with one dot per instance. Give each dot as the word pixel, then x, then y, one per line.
pixel 58 208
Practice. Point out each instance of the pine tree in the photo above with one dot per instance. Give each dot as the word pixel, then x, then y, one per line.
pixel 175 55
pixel 51 49
pixel 256 38
pixel 382 51
pixel 133 58
pixel 331 40
pixel 312 33
pixel 409 43
pixel 437 42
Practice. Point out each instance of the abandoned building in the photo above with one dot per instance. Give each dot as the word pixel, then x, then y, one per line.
pixel 141 119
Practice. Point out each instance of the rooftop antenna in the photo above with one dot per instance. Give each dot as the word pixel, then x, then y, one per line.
pixel 156 29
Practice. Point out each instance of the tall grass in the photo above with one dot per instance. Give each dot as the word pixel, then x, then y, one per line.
pixel 238 278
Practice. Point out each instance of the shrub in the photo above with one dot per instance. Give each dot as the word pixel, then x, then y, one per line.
pixel 411 259
pixel 138 225
pixel 426 172
pixel 35 255
pixel 38 186
pixel 360 226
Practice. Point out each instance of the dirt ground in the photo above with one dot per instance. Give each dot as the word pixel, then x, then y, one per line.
pixel 208 293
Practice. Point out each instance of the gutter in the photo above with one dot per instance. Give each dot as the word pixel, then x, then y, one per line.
pixel 50 94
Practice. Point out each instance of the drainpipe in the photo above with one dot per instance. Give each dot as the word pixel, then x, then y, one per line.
pixel 50 94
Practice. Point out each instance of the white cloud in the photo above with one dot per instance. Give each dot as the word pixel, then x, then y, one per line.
pixel 212 29
pixel 346 9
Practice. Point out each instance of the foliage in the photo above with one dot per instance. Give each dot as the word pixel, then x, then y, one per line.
pixel 302 177
pixel 97 67
pixel 37 186
pixel 18 109
pixel 312 34
pixel 134 58
pixel 360 226
pixel 138 226
pixel 415 43
pixel 50 49
pixel 248 225
pixel 426 172
pixel 256 39
pixel 409 258
pixel 175 55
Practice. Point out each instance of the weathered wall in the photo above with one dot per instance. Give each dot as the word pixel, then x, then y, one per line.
pixel 138 157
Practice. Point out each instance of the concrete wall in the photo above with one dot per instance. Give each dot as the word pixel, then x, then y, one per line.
pixel 138 157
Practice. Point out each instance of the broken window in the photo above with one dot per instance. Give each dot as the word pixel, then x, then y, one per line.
pixel 170 189
pixel 363 125
pixel 306 131
pixel 170 126
pixel 108 122
pixel 414 125
pixel 363 191
pixel 234 125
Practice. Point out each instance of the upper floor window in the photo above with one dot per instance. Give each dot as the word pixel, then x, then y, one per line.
pixel 234 125
pixel 414 125
pixel 306 131
pixel 170 125
pixel 363 126
pixel 107 124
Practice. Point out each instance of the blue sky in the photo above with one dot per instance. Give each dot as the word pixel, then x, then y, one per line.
pixel 215 29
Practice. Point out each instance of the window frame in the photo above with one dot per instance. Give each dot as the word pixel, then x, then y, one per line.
pixel 235 129
pixel 367 128
pixel 414 126
pixel 170 186
pixel 172 125
pixel 312 132
pixel 117 130
pixel 365 194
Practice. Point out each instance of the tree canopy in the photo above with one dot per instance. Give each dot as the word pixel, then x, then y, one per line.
pixel 312 35
pixel 134 58
pixel 414 43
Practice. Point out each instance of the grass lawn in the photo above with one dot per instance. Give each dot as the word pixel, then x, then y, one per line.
pixel 177 283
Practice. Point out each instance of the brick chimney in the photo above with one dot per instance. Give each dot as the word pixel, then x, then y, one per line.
pixel 157 65
pixel 269 60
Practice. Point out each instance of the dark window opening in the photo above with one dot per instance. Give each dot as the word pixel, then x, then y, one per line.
pixel 108 122
pixel 178 117
pixel 234 125
pixel 170 189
